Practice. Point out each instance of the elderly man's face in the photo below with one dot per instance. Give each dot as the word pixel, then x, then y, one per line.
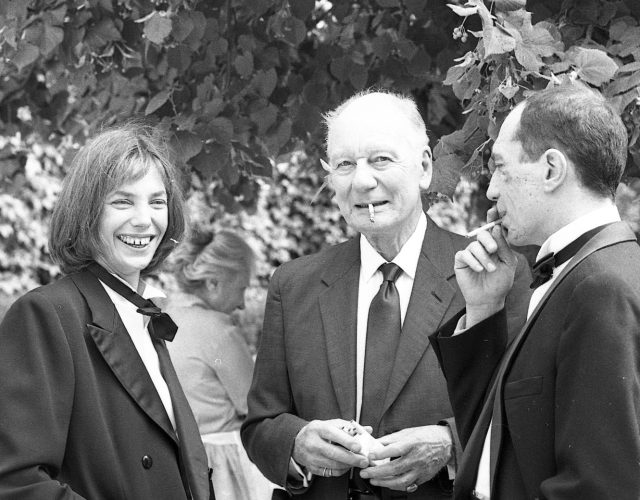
pixel 376 158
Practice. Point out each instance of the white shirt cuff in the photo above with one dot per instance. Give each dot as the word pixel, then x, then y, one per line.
pixel 461 327
pixel 305 477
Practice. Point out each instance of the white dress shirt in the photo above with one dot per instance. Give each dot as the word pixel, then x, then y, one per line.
pixel 370 281
pixel 554 243
pixel 136 325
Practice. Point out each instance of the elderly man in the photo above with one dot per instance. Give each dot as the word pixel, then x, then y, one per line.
pixel 346 330
pixel 562 417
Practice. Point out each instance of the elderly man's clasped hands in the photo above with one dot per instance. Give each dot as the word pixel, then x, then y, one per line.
pixel 398 461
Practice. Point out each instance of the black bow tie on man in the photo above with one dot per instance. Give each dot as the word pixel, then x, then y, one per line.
pixel 161 326
pixel 543 268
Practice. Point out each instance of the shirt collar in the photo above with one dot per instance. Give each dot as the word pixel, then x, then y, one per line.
pixel 148 291
pixel 565 235
pixel 407 258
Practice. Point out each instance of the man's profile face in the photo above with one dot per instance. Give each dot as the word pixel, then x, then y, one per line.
pixel 516 186
pixel 375 158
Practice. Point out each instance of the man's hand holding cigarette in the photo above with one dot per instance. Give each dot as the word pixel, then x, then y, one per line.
pixel 485 270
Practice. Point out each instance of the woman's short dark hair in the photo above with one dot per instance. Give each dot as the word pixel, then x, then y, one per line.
pixel 579 122
pixel 103 164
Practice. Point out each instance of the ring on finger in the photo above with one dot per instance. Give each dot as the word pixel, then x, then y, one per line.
pixel 412 487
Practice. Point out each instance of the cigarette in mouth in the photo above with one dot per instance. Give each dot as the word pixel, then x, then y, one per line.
pixel 372 213
pixel 486 227
pixel 325 165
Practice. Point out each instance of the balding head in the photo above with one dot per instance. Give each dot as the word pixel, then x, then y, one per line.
pixel 374 108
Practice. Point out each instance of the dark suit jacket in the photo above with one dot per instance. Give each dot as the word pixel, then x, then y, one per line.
pixel 79 415
pixel 306 363
pixel 566 422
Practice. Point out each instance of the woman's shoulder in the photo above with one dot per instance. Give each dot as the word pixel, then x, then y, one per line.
pixel 60 299
pixel 55 292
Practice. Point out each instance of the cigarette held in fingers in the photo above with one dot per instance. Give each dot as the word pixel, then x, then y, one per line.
pixel 486 227
pixel 372 213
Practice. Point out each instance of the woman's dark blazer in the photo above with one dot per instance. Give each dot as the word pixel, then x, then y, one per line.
pixel 79 414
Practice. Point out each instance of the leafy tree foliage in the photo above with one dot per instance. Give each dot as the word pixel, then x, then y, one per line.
pixel 238 83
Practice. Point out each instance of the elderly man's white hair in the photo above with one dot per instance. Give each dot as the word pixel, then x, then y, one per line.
pixel 405 104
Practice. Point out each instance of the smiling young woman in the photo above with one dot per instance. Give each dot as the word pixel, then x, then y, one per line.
pixel 86 379
pixel 104 175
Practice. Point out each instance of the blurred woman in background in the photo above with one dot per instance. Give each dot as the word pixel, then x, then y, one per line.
pixel 211 357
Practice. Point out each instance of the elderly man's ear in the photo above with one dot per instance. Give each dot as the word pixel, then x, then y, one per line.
pixel 427 169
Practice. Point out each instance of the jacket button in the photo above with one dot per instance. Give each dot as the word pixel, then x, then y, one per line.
pixel 147 462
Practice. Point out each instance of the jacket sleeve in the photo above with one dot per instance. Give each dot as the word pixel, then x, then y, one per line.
pixel 37 388
pixel 269 432
pixel 468 361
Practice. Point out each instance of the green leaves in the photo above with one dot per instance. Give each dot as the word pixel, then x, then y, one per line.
pixel 288 28
pixel 592 65
pixel 102 33
pixel 509 5
pixel 243 64
pixel 157 101
pixel 302 8
pixel 497 40
pixel 446 174
pixel 239 82
pixel 186 144
pixel 514 55
pixel 533 43
pixel 158 27
pixel 266 81
pixel 463 11
pixel 25 55
pixel 388 3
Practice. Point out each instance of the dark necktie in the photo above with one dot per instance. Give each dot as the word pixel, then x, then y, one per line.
pixel 543 268
pixel 192 459
pixel 383 334
pixel 161 324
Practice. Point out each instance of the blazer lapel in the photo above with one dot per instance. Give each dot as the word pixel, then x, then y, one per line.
pixel 114 343
pixel 338 309
pixel 615 233
pixel 431 295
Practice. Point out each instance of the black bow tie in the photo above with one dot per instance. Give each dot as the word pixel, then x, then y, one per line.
pixel 543 268
pixel 161 326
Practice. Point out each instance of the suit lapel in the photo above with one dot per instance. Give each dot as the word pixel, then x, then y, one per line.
pixel 431 295
pixel 615 233
pixel 338 308
pixel 116 347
